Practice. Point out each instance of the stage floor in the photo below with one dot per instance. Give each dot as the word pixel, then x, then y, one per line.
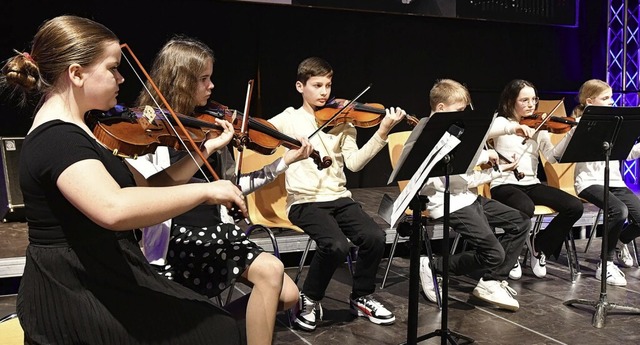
pixel 542 318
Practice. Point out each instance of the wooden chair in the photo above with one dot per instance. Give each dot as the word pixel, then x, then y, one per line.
pixel 267 205
pixel 10 330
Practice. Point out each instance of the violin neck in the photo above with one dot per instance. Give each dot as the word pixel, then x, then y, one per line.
pixel 255 125
pixel 193 122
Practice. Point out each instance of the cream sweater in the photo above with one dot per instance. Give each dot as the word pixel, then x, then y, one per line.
pixel 460 188
pixel 305 183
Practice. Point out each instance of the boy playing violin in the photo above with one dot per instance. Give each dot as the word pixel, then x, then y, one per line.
pixel 319 203
pixel 204 250
pixel 474 217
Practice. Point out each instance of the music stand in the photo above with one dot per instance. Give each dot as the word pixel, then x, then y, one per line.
pixel 471 128
pixel 603 133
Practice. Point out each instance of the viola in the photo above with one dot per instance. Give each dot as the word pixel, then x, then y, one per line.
pixel 132 132
pixel 261 137
pixel 364 115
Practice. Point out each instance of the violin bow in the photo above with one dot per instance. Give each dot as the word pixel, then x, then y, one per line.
pixel 170 110
pixel 346 106
pixel 546 119
pixel 244 131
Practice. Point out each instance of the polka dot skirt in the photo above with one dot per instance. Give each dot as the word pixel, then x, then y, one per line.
pixel 208 260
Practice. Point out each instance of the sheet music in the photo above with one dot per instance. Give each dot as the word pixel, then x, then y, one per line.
pixel 446 143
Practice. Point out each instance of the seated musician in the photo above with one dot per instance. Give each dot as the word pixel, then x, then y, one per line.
pixel 203 249
pixel 474 217
pixel 319 203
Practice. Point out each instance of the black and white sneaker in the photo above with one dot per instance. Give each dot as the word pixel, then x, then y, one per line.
pixel 368 307
pixel 305 313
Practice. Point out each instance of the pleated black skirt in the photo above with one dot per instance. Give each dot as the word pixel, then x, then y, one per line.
pixel 107 293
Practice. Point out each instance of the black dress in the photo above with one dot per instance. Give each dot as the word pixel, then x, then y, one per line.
pixel 84 284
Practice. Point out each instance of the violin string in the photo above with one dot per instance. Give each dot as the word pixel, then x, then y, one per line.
pixel 144 85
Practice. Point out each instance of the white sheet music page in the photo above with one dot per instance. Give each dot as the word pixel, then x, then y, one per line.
pixel 447 143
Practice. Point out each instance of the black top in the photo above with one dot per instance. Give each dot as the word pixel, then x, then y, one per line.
pixel 83 284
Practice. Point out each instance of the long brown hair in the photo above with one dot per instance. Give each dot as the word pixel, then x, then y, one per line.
pixel 175 71
pixel 509 96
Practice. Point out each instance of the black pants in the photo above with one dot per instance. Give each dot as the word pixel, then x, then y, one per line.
pixel 475 223
pixel 623 205
pixel 329 224
pixel 524 198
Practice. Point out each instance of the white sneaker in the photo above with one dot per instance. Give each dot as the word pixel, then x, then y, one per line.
pixel 516 271
pixel 498 293
pixel 538 261
pixel 624 257
pixel 426 280
pixel 614 275
pixel 305 313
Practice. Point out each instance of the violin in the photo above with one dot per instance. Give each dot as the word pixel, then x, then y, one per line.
pixel 262 136
pixel 363 115
pixel 544 121
pixel 555 124
pixel 132 132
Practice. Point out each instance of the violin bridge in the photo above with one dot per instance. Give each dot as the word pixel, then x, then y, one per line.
pixel 148 117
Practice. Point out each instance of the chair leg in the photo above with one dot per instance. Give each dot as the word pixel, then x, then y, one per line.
pixel 593 230
pixel 427 244
pixel 572 257
pixel 634 247
pixel 537 224
pixel 455 243
pixel 302 260
pixel 272 237
pixel 391 253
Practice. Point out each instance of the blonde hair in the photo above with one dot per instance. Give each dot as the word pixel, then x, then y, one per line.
pixel 59 43
pixel 175 71
pixel 448 91
pixel 589 89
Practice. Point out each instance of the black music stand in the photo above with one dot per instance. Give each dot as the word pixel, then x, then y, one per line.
pixel 471 128
pixel 603 133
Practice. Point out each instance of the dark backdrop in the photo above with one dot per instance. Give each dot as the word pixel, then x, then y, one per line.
pixel 401 55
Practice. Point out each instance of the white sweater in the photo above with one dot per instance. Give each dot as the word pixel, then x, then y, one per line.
pixel 305 183
pixel 592 173
pixel 507 143
pixel 460 194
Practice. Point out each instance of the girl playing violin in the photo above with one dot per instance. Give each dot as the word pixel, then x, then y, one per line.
pixel 518 99
pixel 320 204
pixel 623 203
pixel 202 253
pixel 86 280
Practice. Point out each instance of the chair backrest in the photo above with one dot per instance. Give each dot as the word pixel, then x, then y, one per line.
pixel 11 332
pixel 267 205
pixel 396 143
pixel 559 175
